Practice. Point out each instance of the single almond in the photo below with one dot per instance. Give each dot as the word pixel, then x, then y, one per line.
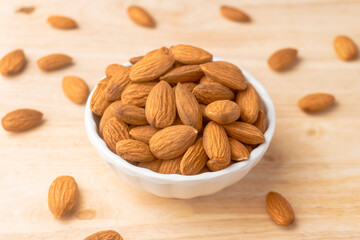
pixel 75 89
pixel 54 62
pixel 134 150
pixel 248 101
pixel 105 235
pixel 112 69
pixel 215 166
pixel 12 63
pixel 98 102
pixel 157 52
pixel 172 141
pixel 216 143
pixel 153 165
pixel 171 166
pixel 108 114
pixel 137 93
pixel 225 73
pixel 188 54
pixel 62 196
pixel 282 59
pixel 345 48
pixel 114 131
pixel 316 102
pixel 140 16
pixel 223 111
pixel 234 14
pixel 117 84
pixel 194 159
pixel 244 132
pixel 62 22
pixel 211 92
pixel 160 108
pixel 238 151
pixel 26 10
pixel 21 119
pixel 143 133
pixel 279 209
pixel 134 60
pixel 187 73
pixel 131 114
pixel 188 107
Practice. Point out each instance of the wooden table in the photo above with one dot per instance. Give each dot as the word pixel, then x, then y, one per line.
pixel 313 159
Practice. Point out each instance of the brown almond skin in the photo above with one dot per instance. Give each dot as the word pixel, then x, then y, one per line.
pixel 248 100
pixel 188 54
pixel 216 143
pixel 21 120
pixel 75 89
pixel 149 69
pixel 194 159
pixel 279 209
pixel 134 150
pixel 223 111
pixel 112 69
pixel 160 108
pixel 157 52
pixel 215 166
pixel 98 102
pixel 345 48
pixel 105 235
pixel 234 14
pixel 261 121
pixel 62 196
pixel 140 16
pixel 205 79
pixel 282 59
pixel 54 61
pixel 108 114
pixel 62 22
pixel 172 141
pixel 190 86
pixel 245 133
pixel 117 84
pixel 137 93
pixel 114 131
pixel 134 60
pixel 238 151
pixel 225 73
pixel 131 114
pixel 143 133
pixel 187 73
pixel 188 107
pixel 13 62
pixel 211 92
pixel 153 165
pixel 171 166
pixel 316 102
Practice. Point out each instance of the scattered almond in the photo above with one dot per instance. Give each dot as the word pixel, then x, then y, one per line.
pixel 75 89
pixel 345 48
pixel 234 14
pixel 140 16
pixel 12 63
pixel 282 59
pixel 21 119
pixel 316 102
pixel 62 22
pixel 54 62
pixel 105 235
pixel 279 209
pixel 26 10
pixel 223 111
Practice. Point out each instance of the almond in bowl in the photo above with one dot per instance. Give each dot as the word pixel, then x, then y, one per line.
pixel 174 115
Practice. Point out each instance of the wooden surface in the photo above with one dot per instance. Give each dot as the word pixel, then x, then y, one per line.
pixel 313 160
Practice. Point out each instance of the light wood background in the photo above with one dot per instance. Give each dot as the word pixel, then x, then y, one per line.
pixel 314 160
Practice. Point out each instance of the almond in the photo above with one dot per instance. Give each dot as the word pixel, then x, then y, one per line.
pixel 225 73
pixel 98 102
pixel 345 48
pixel 188 107
pixel 172 141
pixel 63 195
pixel 62 22
pixel 148 69
pixel 114 131
pixel 194 159
pixel 108 114
pixel 26 10
pixel 54 61
pixel 188 54
pixel 160 109
pixel 245 133
pixel 261 121
pixel 238 151
pixel 131 114
pixel 134 60
pixel 137 93
pixel 248 147
pixel 75 89
pixel 282 59
pixel 279 209
pixel 216 143
pixel 105 235
pixel 171 166
pixel 187 73
pixel 316 102
pixel 205 79
pixel 248 101
pixel 211 92
pixel 140 16
pixel 223 111
pixel 153 165
pixel 112 69
pixel 189 85
pixel 134 150
pixel 13 62
pixel 234 14
pixel 215 166
pixel 143 133
pixel 157 52
pixel 117 84
pixel 21 119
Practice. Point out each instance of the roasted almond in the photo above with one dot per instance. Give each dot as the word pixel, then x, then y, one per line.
pixel 140 16
pixel 160 109
pixel 225 73
pixel 105 235
pixel 131 114
pixel 316 102
pixel 223 111
pixel 211 92
pixel 143 133
pixel 234 14
pixel 117 84
pixel 153 165
pixel 62 22
pixel 279 209
pixel 194 159
pixel 188 54
pixel 282 59
pixel 187 73
pixel 245 133
pixel 62 196
pixel 345 48
pixel 75 89
pixel 238 151
pixel 172 141
pixel 98 102
pixel 54 61
pixel 171 166
pixel 134 150
pixel 215 166
pixel 137 93
pixel 134 60
pixel 114 131
pixel 12 63
pixel 248 101
pixel 21 119
pixel 108 114
pixel 112 69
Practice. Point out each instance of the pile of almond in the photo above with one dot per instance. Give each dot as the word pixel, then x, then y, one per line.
pixel 175 111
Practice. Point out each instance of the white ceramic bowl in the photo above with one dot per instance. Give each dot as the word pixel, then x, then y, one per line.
pixel 180 186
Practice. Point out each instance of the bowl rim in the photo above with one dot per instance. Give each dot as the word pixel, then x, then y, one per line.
pixel 100 145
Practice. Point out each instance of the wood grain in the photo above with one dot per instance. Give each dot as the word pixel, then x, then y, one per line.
pixel 313 160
